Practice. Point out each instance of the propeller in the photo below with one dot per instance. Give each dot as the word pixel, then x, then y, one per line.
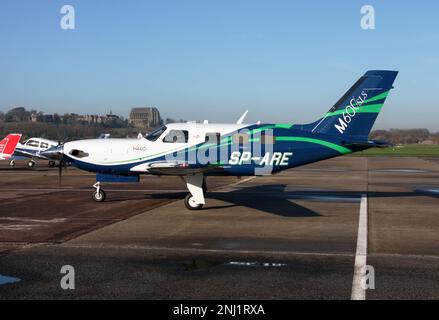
pixel 56 153
pixel 61 162
pixel 61 165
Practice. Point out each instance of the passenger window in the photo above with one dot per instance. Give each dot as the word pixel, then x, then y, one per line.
pixel 176 136
pixel 213 137
pixel 44 145
pixel 267 138
pixel 33 143
pixel 240 138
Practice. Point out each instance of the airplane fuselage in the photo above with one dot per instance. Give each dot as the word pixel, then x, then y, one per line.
pixel 238 150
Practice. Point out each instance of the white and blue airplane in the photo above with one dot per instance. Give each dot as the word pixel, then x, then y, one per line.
pixel 195 151
pixel 31 150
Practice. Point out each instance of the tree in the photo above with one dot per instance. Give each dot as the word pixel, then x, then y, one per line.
pixel 17 115
pixel 56 118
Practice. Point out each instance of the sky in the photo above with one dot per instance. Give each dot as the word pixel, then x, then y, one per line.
pixel 285 61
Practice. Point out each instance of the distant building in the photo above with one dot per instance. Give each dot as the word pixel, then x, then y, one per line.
pixel 34 117
pixel 111 116
pixel 147 117
pixel 91 118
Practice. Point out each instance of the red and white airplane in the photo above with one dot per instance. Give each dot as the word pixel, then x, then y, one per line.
pixel 8 145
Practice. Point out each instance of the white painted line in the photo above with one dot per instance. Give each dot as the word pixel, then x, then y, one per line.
pixel 243 181
pixel 358 290
pixel 55 220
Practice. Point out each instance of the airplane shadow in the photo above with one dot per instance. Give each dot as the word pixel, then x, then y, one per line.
pixel 264 198
pixel 274 199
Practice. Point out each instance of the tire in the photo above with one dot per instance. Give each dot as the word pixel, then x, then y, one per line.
pixel 31 164
pixel 52 164
pixel 190 204
pixel 12 163
pixel 99 197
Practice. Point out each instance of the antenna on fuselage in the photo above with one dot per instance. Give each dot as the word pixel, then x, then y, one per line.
pixel 242 117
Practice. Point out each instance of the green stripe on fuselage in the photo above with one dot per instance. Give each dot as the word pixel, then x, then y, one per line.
pixel 378 97
pixel 331 145
pixel 372 108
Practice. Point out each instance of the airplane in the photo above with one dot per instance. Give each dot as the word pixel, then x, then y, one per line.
pixel 31 149
pixel 195 151
pixel 8 145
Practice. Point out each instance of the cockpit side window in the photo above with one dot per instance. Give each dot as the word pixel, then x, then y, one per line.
pixel 177 136
pixel 153 136
pixel 44 145
pixel 33 143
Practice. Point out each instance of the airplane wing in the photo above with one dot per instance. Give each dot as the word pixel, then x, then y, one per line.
pixel 27 154
pixel 174 168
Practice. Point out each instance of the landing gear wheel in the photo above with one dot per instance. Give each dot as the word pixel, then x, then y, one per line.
pixel 190 203
pixel 31 164
pixel 51 164
pixel 99 195
pixel 12 163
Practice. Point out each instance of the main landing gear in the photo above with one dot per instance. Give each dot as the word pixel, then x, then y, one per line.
pixel 12 163
pixel 197 187
pixel 31 164
pixel 99 194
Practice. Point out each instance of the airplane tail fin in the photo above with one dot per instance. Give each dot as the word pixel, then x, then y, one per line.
pixel 355 113
pixel 8 144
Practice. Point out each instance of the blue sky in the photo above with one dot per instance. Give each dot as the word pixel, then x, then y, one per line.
pixel 285 61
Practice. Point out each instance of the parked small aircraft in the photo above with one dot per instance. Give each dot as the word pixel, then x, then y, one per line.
pixel 197 150
pixel 8 145
pixel 31 149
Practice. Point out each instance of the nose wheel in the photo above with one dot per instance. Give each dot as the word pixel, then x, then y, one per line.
pixel 99 194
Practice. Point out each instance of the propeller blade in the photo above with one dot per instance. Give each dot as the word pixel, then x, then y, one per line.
pixel 60 165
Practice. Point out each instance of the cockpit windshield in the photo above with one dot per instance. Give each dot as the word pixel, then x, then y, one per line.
pixel 153 136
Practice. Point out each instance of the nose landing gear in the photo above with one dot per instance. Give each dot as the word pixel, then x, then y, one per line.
pixel 99 194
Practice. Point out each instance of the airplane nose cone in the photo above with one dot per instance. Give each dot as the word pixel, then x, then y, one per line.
pixel 54 153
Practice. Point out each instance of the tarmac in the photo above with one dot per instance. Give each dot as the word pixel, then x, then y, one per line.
pixel 302 234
